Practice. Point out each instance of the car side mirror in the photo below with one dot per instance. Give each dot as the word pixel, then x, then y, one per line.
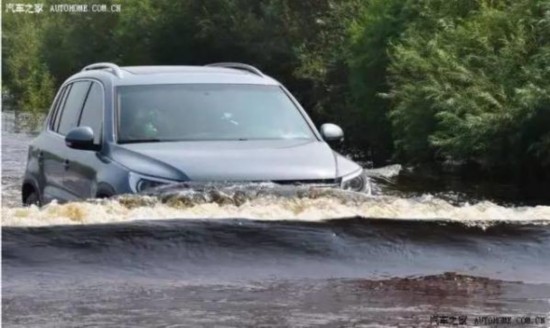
pixel 81 138
pixel 332 132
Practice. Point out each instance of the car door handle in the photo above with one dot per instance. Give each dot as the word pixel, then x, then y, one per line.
pixel 66 164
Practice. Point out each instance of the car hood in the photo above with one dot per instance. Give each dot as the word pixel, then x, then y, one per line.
pixel 274 160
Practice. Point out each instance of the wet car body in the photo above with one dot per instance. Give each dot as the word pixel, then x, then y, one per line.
pixel 81 154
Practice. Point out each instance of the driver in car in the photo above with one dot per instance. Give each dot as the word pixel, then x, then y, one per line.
pixel 141 124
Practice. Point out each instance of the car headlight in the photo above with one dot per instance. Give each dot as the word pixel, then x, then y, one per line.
pixel 356 181
pixel 140 183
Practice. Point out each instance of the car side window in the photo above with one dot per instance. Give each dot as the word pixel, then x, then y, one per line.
pixel 54 121
pixel 92 113
pixel 73 106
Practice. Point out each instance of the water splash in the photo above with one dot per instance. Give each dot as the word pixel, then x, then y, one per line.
pixel 386 172
pixel 268 202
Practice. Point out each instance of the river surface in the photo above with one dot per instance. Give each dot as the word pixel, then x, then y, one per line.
pixel 416 251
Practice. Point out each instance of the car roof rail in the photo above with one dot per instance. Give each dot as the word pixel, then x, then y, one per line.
pixel 241 66
pixel 114 68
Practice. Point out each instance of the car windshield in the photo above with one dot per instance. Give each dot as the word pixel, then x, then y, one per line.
pixel 153 113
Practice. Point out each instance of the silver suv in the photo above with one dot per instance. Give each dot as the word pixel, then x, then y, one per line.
pixel 114 130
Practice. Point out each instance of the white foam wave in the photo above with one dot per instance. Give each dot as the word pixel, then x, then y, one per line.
pixel 271 208
pixel 387 172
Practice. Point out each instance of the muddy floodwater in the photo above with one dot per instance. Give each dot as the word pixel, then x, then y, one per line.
pixel 413 252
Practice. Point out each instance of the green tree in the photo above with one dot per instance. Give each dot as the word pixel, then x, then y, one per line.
pixel 471 84
pixel 379 24
pixel 27 78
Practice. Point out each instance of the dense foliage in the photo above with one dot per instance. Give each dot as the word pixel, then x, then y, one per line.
pixel 422 81
pixel 475 85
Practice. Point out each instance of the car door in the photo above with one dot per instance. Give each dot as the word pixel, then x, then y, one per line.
pixel 67 119
pixel 50 152
pixel 83 164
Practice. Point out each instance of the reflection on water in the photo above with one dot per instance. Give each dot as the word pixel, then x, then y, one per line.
pixel 204 273
pixel 276 303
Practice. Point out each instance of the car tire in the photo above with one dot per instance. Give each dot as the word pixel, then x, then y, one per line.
pixel 32 199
